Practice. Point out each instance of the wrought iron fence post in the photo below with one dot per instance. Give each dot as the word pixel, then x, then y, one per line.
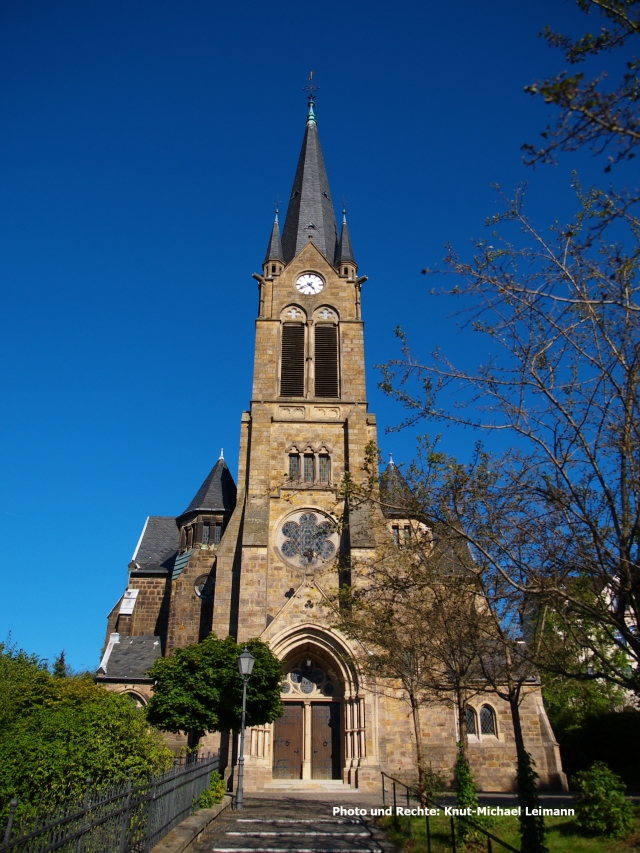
pixel 453 835
pixel 489 845
pixel 395 807
pixel 125 817
pixel 85 803
pixel 383 800
pixel 428 832
pixel 151 811
pixel 13 805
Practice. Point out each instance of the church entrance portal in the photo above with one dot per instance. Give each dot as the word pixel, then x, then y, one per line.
pixel 307 737
pixel 289 741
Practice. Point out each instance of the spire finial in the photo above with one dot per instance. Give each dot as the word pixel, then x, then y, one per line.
pixel 277 204
pixel 391 462
pixel 222 453
pixel 311 89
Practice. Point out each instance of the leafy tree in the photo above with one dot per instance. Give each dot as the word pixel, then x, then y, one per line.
pixel 60 668
pixel 199 688
pixel 412 612
pixel 17 669
pixel 56 732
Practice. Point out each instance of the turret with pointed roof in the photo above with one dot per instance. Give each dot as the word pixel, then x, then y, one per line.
pixel 216 494
pixel 395 494
pixel 274 249
pixel 310 214
pixel 345 250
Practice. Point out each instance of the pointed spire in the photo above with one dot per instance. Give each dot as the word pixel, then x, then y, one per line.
pixel 310 214
pixel 217 493
pixel 274 249
pixel 345 250
pixel 395 493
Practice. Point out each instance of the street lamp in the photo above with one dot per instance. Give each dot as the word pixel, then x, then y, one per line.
pixel 245 665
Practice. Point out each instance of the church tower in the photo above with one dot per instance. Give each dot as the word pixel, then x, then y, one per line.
pixel 262 559
pixel 308 424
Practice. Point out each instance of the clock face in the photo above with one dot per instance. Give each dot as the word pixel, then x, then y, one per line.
pixel 309 283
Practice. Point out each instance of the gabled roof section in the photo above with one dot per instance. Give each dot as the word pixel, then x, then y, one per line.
pixel 130 658
pixel 345 250
pixel 217 493
pixel 157 545
pixel 395 494
pixel 274 249
pixel 310 213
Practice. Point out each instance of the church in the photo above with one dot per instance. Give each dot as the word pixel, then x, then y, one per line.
pixel 258 558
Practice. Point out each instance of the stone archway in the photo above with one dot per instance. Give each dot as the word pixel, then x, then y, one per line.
pixel 328 649
pixel 308 738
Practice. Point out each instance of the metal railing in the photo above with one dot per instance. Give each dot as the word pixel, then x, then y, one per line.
pixel 410 794
pixel 128 817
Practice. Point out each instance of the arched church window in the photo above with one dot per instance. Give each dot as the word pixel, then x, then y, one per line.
pixel 292 362
pixel 294 466
pixel 326 360
pixel 470 717
pixel 487 720
pixel 324 468
pixel 309 468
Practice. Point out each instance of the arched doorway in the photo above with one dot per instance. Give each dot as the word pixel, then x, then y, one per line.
pixel 307 739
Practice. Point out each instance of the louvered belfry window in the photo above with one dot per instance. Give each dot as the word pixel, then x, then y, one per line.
pixel 326 360
pixel 292 372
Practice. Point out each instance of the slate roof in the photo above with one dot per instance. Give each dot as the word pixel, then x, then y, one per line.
pixel 158 544
pixel 132 657
pixel 395 493
pixel 310 209
pixel 274 249
pixel 345 250
pixel 217 493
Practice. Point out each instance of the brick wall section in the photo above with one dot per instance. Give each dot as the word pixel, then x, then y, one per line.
pixel 152 606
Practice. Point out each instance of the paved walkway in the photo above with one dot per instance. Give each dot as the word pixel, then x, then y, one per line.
pixel 297 824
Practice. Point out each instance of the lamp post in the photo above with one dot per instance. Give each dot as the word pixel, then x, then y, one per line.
pixel 245 665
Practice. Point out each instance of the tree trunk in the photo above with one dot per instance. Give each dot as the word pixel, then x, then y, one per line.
pixel 462 721
pixel 415 713
pixel 193 740
pixel 531 826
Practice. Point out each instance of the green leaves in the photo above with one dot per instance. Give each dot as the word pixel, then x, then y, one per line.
pixel 55 732
pixel 601 808
pixel 199 688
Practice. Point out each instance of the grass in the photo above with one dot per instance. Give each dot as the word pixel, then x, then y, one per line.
pixel 562 836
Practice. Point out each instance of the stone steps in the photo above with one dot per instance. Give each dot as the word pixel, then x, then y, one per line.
pixel 282 824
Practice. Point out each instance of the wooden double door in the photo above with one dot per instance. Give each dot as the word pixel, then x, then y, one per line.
pixel 294 746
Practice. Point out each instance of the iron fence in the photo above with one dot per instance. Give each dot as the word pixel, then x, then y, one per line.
pixel 410 794
pixel 129 817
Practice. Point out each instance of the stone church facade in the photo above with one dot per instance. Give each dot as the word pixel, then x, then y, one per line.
pixel 259 559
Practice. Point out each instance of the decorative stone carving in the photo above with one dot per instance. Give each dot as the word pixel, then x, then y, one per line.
pixel 289 412
pixel 329 412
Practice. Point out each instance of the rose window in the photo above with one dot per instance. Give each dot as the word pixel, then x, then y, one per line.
pixel 307 539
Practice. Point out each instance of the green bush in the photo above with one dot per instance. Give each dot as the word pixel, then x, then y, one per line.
pixel 55 732
pixel 214 793
pixel 467 798
pixel 601 808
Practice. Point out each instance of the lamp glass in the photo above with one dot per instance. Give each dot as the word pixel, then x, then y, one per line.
pixel 245 663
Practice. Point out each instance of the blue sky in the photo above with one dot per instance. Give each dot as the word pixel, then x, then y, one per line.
pixel 142 145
